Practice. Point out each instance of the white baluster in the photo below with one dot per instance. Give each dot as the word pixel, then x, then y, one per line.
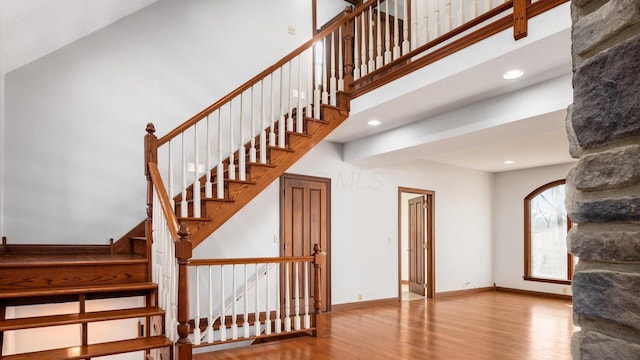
pixel 299 115
pixel 310 99
pixel 183 202
pixel 379 58
pixel 245 292
pixel 363 44
pixel 325 67
pixel 220 167
pixel 242 155
pixel 297 297
pixel 333 83
pixel 289 100
pixel 282 119
pixel 223 311
pixel 340 61
pixel 267 312
pixel 232 161
pixel 415 37
pixel 426 21
pixel 208 187
pixel 196 174
pixel 278 320
pixel 356 50
pixel 406 45
pixel 252 151
pixel 473 10
pixel 196 328
pixel 263 125
pixel 318 82
pixel 461 12
pixel 372 62
pixel 387 36
pixel 487 5
pixel 210 318
pixel 436 16
pixel 170 185
pixel 307 318
pixel 256 322
pixel 287 299
pixel 272 129
pixel 396 31
pixel 449 20
pixel 234 308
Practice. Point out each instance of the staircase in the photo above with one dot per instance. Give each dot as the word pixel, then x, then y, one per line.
pixel 263 128
pixel 76 277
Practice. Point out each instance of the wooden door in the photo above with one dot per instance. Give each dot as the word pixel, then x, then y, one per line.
pixel 417 245
pixel 305 221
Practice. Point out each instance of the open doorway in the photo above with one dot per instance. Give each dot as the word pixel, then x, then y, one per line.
pixel 416 243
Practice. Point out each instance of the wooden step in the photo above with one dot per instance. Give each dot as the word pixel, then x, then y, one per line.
pixel 95 350
pixel 76 290
pixel 67 319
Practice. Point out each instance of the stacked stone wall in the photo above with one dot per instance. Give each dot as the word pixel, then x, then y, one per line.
pixel 603 190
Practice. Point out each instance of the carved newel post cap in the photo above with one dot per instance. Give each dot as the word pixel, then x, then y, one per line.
pixel 150 128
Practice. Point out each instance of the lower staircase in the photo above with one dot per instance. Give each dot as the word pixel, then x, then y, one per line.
pixel 76 278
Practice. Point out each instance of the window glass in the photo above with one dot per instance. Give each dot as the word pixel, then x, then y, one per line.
pixel 548 219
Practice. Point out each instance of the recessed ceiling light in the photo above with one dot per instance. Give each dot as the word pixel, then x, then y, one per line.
pixel 374 123
pixel 509 162
pixel 512 74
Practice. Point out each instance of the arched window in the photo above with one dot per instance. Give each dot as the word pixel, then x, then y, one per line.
pixel 545 235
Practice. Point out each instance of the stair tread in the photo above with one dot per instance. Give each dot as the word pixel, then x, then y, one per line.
pixel 66 319
pixel 73 290
pixel 31 260
pixel 95 350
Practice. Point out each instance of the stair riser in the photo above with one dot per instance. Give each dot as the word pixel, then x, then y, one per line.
pixel 52 276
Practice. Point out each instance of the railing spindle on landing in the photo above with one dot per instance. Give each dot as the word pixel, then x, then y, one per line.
pixel 251 281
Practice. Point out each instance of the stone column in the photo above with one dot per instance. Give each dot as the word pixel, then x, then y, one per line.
pixel 603 190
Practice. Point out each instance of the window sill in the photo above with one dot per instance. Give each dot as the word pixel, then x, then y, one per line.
pixel 551 281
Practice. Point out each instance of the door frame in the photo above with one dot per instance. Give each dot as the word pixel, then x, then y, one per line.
pixel 430 234
pixel 327 181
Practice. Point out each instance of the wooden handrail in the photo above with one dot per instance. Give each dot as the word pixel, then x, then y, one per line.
pixel 167 209
pixel 240 261
pixel 254 80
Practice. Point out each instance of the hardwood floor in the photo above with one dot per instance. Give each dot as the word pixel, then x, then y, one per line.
pixel 490 325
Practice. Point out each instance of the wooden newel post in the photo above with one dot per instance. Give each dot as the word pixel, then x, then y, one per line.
pixel 150 155
pixel 319 259
pixel 348 29
pixel 183 254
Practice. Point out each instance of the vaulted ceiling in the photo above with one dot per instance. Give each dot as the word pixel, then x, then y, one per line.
pixel 463 115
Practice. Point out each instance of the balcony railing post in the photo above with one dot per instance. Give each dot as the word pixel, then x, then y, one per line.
pixel 183 254
pixel 319 259
pixel 348 29
pixel 520 21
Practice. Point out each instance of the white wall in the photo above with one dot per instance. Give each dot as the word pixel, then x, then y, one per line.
pixel 511 189
pixel 75 118
pixel 364 215
pixel 328 9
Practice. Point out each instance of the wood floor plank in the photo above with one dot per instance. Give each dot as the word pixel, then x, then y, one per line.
pixel 489 325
